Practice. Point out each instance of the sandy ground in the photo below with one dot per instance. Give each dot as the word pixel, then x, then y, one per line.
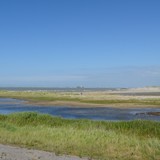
pixel 87 105
pixel 17 153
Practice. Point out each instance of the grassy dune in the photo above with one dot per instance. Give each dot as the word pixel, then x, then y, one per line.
pixel 97 98
pixel 134 140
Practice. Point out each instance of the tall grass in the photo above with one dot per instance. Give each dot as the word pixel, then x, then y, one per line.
pixel 133 140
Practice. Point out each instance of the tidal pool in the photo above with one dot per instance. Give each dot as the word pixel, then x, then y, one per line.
pixel 8 105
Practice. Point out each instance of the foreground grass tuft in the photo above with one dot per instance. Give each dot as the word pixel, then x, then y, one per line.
pixel 134 140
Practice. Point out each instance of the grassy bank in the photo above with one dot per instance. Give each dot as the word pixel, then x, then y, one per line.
pixel 134 140
pixel 99 98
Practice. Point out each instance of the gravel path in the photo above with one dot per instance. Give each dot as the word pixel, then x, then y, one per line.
pixel 17 153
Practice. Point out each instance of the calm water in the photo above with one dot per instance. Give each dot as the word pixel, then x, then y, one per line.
pixel 8 105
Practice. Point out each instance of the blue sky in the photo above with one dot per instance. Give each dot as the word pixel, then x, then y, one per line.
pixel 93 43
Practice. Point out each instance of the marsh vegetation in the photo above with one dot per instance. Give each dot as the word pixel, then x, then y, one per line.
pixel 95 98
pixel 85 138
pixel 124 140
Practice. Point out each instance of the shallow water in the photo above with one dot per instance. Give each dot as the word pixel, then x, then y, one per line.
pixel 8 105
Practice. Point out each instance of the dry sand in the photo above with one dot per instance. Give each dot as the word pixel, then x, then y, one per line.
pixel 17 153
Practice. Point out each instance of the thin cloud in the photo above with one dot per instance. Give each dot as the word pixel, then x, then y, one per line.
pixel 105 77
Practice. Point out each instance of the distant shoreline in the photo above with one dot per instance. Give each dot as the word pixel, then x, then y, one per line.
pixel 148 97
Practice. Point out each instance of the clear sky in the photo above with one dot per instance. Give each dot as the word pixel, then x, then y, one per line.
pixel 69 43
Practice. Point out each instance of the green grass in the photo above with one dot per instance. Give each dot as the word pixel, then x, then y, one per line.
pixel 132 140
pixel 129 101
pixel 37 96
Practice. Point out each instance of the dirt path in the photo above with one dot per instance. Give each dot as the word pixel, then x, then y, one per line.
pixel 17 153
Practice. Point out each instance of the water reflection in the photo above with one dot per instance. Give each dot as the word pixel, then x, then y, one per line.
pixel 8 105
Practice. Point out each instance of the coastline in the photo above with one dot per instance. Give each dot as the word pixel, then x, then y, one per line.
pixel 123 98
